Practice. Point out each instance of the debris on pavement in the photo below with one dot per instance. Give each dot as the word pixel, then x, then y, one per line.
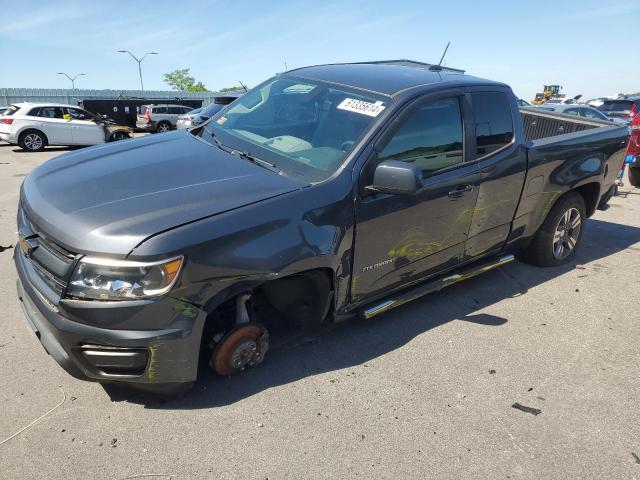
pixel 3 248
pixel 524 408
pixel 64 397
pixel 636 457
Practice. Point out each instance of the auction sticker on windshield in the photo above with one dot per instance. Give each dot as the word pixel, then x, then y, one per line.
pixel 362 107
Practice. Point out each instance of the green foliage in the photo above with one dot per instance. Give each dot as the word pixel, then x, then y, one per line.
pixel 231 89
pixel 181 80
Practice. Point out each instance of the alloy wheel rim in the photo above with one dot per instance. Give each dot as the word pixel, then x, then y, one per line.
pixel 164 128
pixel 567 234
pixel 33 141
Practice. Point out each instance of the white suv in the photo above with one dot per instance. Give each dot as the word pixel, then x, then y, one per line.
pixel 35 125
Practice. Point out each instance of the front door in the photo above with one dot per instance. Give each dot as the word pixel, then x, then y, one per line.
pixel 84 130
pixel 401 239
pixel 53 124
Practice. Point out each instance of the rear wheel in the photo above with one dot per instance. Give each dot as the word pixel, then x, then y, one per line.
pixel 32 141
pixel 163 127
pixel 557 240
pixel 634 176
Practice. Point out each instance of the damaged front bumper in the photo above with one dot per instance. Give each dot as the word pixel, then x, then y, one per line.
pixel 88 339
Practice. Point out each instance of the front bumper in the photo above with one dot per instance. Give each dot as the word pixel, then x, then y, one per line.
pixel 94 353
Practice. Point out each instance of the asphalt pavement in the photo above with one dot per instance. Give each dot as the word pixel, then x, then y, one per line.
pixel 425 391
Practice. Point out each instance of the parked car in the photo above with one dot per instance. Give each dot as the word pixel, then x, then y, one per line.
pixel 160 118
pixel 33 126
pixel 623 108
pixel 324 193
pixel 632 158
pixel 184 121
pixel 580 111
pixel 214 107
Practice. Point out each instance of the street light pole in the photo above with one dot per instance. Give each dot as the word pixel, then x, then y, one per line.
pixel 73 79
pixel 139 60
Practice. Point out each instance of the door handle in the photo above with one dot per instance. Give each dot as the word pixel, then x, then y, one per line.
pixel 460 190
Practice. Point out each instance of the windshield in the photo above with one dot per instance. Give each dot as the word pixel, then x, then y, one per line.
pixel 211 110
pixel 304 127
pixel 620 106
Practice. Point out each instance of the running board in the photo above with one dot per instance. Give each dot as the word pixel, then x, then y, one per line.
pixel 437 285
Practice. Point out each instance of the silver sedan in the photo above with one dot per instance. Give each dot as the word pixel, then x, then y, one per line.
pixel 186 120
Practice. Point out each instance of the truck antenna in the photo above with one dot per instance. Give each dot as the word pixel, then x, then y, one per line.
pixel 444 53
pixel 243 86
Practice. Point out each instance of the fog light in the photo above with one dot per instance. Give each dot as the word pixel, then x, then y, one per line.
pixel 116 360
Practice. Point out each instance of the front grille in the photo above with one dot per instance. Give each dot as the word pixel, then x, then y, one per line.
pixel 52 262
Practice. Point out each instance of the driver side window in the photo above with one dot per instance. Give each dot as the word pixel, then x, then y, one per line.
pixel 77 114
pixel 431 137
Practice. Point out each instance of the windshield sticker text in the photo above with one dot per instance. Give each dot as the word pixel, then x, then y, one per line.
pixel 362 107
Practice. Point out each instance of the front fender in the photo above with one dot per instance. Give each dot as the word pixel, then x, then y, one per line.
pixel 226 254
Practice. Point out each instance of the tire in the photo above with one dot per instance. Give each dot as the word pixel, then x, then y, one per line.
pixel 163 127
pixel 559 236
pixel 634 176
pixel 120 136
pixel 32 141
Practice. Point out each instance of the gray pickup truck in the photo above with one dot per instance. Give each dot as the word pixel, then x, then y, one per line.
pixel 323 193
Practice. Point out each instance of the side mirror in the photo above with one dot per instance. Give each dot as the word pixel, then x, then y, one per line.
pixel 393 176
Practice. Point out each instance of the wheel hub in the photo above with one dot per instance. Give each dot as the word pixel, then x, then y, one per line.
pixel 567 233
pixel 244 346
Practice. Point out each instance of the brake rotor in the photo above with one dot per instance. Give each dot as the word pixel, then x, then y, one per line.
pixel 244 346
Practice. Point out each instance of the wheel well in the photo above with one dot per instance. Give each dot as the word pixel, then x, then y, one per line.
pixel 276 295
pixel 590 193
pixel 27 130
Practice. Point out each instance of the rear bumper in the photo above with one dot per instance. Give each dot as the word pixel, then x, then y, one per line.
pixel 150 126
pixel 8 137
pixel 113 355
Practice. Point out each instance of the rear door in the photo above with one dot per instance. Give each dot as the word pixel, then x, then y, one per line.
pixel 502 164
pixel 401 239
pixel 51 121
pixel 84 130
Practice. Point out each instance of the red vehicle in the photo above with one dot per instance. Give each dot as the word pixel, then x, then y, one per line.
pixel 633 151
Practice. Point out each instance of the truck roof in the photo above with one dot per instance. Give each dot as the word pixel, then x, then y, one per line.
pixel 387 77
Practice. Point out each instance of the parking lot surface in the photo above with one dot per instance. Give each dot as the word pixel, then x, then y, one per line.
pixel 425 391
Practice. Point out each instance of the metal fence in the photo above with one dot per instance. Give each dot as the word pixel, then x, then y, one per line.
pixel 69 96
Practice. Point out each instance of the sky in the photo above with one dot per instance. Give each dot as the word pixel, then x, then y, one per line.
pixel 589 47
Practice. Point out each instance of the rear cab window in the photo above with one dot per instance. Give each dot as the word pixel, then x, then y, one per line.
pixel 494 122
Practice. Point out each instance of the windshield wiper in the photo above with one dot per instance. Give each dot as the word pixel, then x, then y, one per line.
pixel 258 161
pixel 246 156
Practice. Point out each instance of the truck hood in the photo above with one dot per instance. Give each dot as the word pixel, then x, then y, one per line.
pixel 110 198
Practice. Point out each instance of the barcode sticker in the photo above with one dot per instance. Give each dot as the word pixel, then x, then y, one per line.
pixel 362 107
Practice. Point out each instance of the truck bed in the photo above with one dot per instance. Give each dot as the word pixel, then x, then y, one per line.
pixel 538 123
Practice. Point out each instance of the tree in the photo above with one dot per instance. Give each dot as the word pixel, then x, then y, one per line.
pixel 231 89
pixel 181 80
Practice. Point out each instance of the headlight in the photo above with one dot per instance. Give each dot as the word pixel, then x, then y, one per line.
pixel 106 279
